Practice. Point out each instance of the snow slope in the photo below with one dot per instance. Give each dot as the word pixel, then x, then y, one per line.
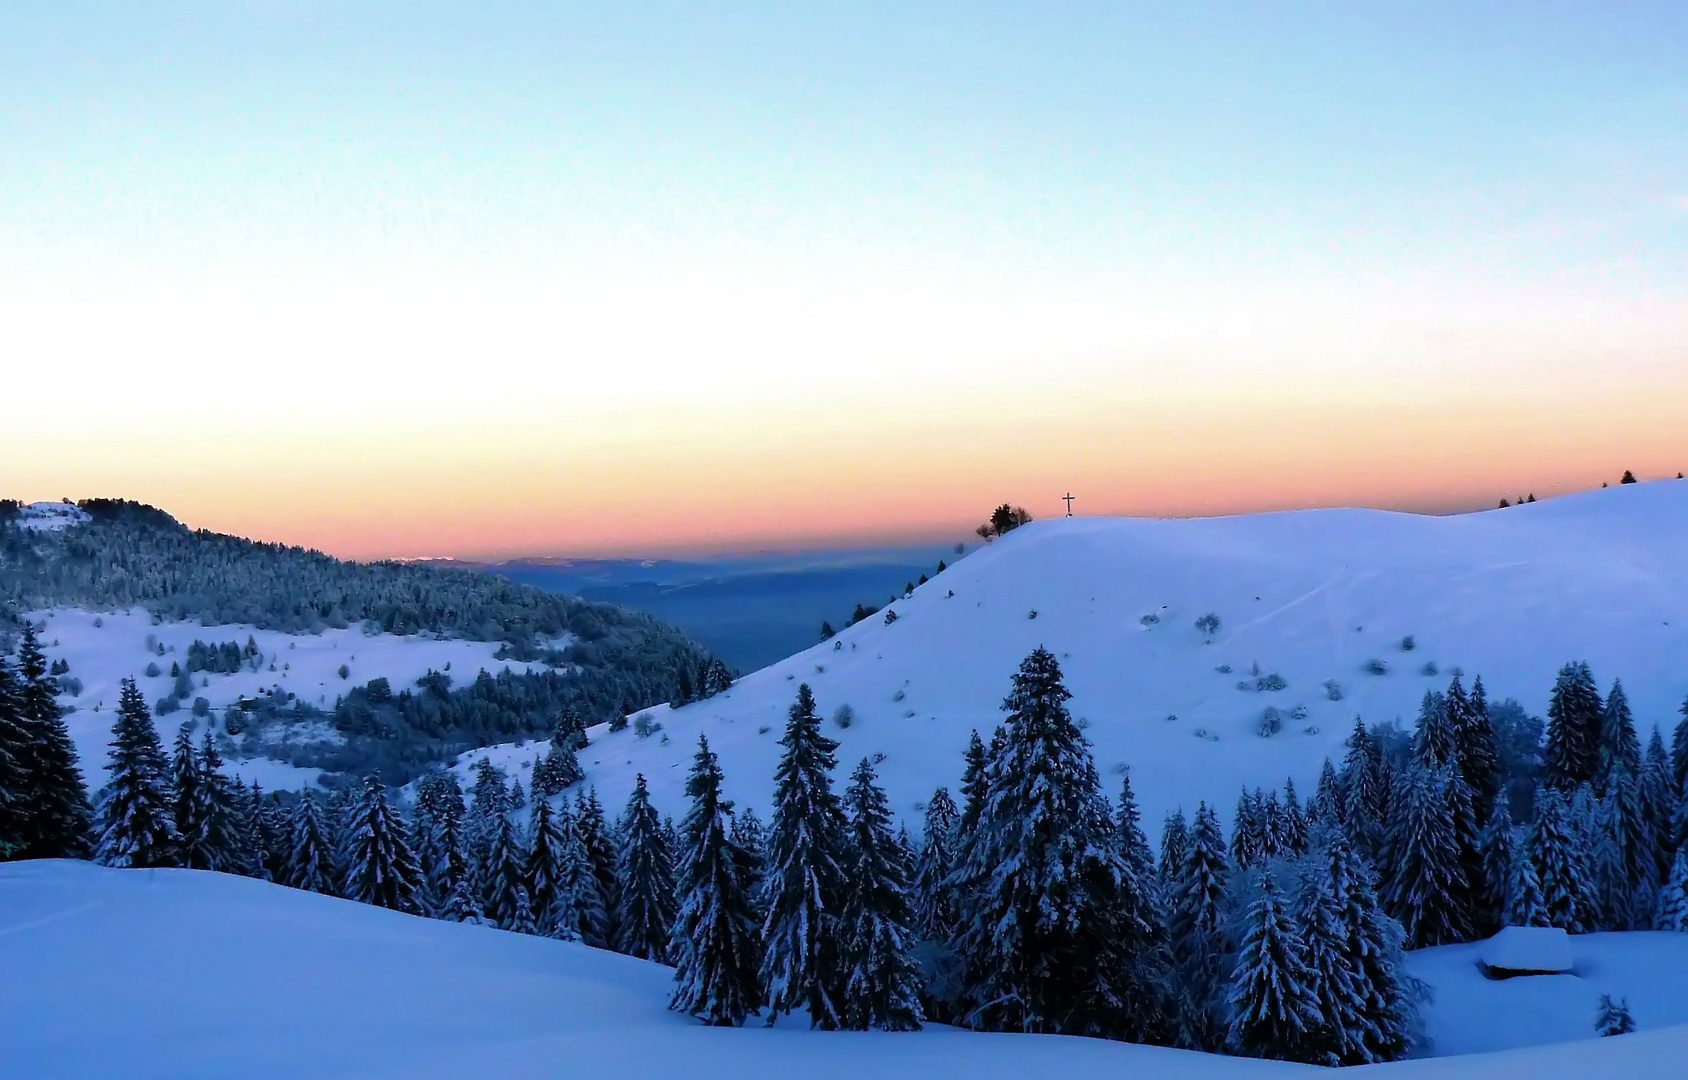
pixel 181 974
pixel 1310 596
pixel 105 647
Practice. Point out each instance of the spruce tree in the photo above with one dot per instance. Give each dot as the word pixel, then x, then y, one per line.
pixel 310 858
pixel 1575 717
pixel 187 801
pixel 1612 1017
pixel 1198 902
pixel 1524 903
pixel 579 894
pixel 506 856
pixel 715 944
pixel 1334 985
pixel 1326 806
pixel 443 853
pixel 1679 751
pixel 647 894
pixel 973 781
pixel 59 823
pixel 1175 844
pixel 1498 857
pixel 1427 889
pixel 219 842
pixel 752 839
pixel 593 830
pixel 542 870
pixel 1671 911
pixel 1273 1011
pixel 937 907
pixel 1623 858
pixel 1058 937
pixel 1389 997
pixel 805 888
pixel 1295 823
pixel 881 988
pixel 1365 791
pixel 134 815
pixel 1618 741
pixel 1435 742
pixel 1658 799
pixel 14 781
pixel 381 868
pixel 1479 753
pixel 1246 831
pixel 1551 847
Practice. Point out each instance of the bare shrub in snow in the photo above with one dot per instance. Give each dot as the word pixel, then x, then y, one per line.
pixel 1208 625
pixel 1408 644
pixel 1273 682
pixel 1223 669
pixel 1271 722
pixel 1333 689
pixel 1375 666
pixel 644 726
pixel 844 716
pixel 1429 668
pixel 1149 620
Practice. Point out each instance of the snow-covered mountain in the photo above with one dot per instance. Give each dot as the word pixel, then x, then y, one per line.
pixel 1318 599
pixel 187 974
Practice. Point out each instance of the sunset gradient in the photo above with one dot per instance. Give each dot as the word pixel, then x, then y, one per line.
pixel 410 280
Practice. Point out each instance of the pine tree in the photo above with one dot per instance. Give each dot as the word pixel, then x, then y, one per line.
pixel 1295 823
pixel 1623 859
pixel 881 987
pixel 187 801
pixel 59 822
pixel 806 859
pixel 1334 985
pixel 1427 888
pixel 442 855
pixel 1679 751
pixel 1524 903
pixel 1613 1018
pixel 593 830
pixel 1671 912
pixel 937 907
pixel 715 945
pixel 577 885
pixel 1273 1011
pixel 1498 857
pixel 250 855
pixel 1389 997
pixel 1658 799
pixel 1246 830
pixel 1575 716
pixel 1479 753
pixel 1551 850
pixel 1365 791
pixel 1618 741
pixel 14 781
pixel 1059 937
pixel 560 768
pixel 310 860
pixel 1198 902
pixel 973 781
pixel 647 894
pixel 1327 804
pixel 505 858
pixel 381 868
pixel 272 834
pixel 218 841
pixel 1175 844
pixel 542 870
pixel 134 814
pixel 1132 843
pixel 1435 742
pixel 748 834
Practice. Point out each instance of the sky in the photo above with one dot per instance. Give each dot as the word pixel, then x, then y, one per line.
pixel 499 279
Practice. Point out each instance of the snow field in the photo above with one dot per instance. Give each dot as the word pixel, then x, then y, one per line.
pixel 185 974
pixel 103 648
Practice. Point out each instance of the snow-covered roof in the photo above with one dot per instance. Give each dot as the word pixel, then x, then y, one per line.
pixel 1527 950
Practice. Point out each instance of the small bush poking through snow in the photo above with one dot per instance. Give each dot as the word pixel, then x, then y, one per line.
pixel 1613 1017
pixel 152 671
pixel 898 696
pixel 1375 666
pixel 1208 625
pixel 1333 689
pixel 1408 644
pixel 890 617
pixel 844 716
pixel 1032 614
pixel 1273 682
pixel 1271 722
pixel 1149 620
pixel 344 672
pixel 644 726
pixel 1298 713
pixel 1429 668
pixel 618 723
pixel 1223 669
pixel 763 730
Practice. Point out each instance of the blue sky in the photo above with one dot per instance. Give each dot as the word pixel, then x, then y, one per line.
pixel 635 212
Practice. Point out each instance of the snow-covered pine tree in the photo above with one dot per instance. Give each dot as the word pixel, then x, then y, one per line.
pixel 503 881
pixel 1389 997
pixel 881 988
pixel 1671 911
pixel 973 781
pixel 1435 743
pixel 1128 835
pixel 187 802
pixel 1658 799
pixel 542 870
pixel 310 858
pixel 250 855
pixel 380 868
pixel 1427 890
pixel 752 839
pixel 522 918
pixel 1175 844
pixel 1551 847
pixel 14 781
pixel 1679 751
pixel 444 854
pixel 1479 753
pixel 1621 851
pixel 593 829
pixel 272 835
pixel 1334 985
pixel 1246 831
pixel 1575 716
pixel 219 840
pixel 1058 937
pixel 1612 1017
pixel 59 824
pixel 577 885
pixel 1273 1011
pixel 134 814
pixel 1364 790
pixel 1198 903
pixel 937 913
pixel 1498 857
pixel 1618 741
pixel 647 893
pixel 1295 823
pixel 560 768
pixel 1524 904
pixel 715 943
pixel 802 965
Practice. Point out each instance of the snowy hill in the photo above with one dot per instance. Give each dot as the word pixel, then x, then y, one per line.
pixel 1312 597
pixel 180 973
